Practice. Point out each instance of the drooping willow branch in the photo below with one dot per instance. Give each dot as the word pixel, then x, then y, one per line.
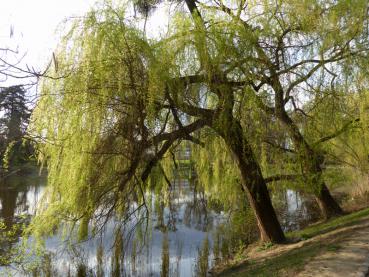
pixel 282 177
pixel 344 128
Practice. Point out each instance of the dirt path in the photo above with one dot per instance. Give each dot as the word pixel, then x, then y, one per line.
pixel 349 258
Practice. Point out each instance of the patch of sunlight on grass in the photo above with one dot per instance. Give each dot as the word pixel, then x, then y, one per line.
pixel 293 261
pixel 284 265
pixel 332 224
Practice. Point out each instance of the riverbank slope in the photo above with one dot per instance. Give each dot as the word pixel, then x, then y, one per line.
pixel 338 247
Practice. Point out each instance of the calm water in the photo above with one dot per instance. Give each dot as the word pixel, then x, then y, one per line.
pixel 173 242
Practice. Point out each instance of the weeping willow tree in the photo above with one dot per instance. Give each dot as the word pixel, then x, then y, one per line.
pixel 100 129
pixel 345 144
pixel 273 54
pixel 124 101
pixel 318 60
pixel 105 125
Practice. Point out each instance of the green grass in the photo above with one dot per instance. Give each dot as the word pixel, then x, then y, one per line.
pixel 334 247
pixel 293 261
pixel 321 228
pixel 277 265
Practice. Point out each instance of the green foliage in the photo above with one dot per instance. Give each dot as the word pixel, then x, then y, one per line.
pixel 14 149
pixel 18 153
pixel 9 236
pixel 15 113
pixel 93 123
pixel 116 91
pixel 217 172
pixel 266 246
pixel 7 154
pixel 342 117
pixel 233 237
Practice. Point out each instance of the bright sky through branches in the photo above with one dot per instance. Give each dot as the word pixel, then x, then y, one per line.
pixel 34 22
pixel 33 25
pixel 35 28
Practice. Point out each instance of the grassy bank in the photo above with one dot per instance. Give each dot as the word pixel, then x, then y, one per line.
pixel 289 259
pixel 324 227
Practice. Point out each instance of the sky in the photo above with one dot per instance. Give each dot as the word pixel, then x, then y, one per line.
pixel 36 27
pixel 34 24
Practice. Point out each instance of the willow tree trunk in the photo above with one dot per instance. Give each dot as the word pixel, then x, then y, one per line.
pixel 252 182
pixel 311 162
pixel 328 206
pixel 230 130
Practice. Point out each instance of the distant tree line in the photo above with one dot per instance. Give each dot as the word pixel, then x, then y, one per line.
pixel 14 118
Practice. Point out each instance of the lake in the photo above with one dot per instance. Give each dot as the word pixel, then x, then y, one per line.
pixel 180 238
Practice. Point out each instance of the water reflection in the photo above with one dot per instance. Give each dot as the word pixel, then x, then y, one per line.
pixel 18 197
pixel 295 209
pixel 165 257
pixel 182 238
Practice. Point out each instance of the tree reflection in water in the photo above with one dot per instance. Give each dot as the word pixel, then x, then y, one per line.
pixel 184 234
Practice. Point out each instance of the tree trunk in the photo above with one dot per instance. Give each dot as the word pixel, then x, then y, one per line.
pixel 311 161
pixel 253 182
pixel 328 206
